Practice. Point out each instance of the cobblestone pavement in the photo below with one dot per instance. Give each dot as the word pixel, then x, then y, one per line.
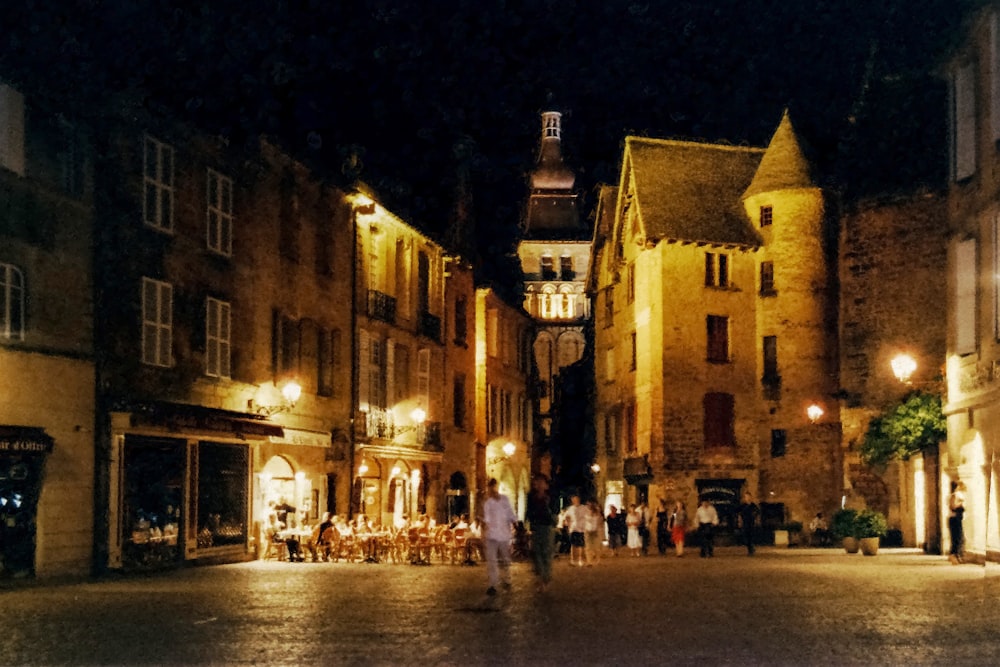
pixel 780 607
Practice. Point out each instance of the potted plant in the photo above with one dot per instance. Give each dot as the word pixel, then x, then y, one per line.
pixel 842 527
pixel 869 527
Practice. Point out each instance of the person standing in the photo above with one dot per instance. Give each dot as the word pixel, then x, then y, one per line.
pixel 576 520
pixel 617 531
pixel 634 542
pixel 706 519
pixel 498 520
pixel 645 519
pixel 748 512
pixel 956 512
pixel 592 533
pixel 541 521
pixel 678 527
pixel 662 527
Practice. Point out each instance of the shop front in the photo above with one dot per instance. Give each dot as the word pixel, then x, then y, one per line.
pixel 181 485
pixel 393 486
pixel 23 451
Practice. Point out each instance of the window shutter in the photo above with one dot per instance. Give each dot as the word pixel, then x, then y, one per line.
pixel 364 351
pixel 424 376
pixel 11 129
pixel 964 121
pixel 965 296
pixel 995 76
pixel 391 389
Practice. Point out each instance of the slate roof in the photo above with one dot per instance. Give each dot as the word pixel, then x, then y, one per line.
pixel 687 191
pixel 783 166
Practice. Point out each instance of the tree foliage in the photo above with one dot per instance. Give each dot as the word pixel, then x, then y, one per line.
pixel 916 424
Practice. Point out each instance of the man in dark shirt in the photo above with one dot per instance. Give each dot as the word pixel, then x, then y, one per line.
pixel 748 518
pixel 539 516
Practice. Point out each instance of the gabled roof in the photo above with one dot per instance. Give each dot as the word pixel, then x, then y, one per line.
pixel 687 191
pixel 783 166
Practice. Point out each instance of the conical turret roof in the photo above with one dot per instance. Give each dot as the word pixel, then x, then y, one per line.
pixel 783 166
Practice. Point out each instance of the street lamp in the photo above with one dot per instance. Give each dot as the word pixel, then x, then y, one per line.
pixel 814 412
pixel 903 366
pixel 291 393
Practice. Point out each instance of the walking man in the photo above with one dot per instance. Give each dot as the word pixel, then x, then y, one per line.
pixel 541 521
pixel 498 520
pixel 748 518
pixel 707 519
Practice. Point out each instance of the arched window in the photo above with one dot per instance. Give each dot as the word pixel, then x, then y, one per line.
pixel 11 302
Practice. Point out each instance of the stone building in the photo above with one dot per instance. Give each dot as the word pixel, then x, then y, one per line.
pixel 972 72
pixel 46 339
pixel 713 286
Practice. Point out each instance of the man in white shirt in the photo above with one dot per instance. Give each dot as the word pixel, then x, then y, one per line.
pixel 498 520
pixel 576 518
pixel 706 518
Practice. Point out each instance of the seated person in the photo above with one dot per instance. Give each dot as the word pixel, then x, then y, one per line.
pixel 322 538
pixel 820 531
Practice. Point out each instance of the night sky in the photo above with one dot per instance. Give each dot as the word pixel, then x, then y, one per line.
pixel 421 91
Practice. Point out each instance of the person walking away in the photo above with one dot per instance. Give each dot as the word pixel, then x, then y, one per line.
pixel 617 529
pixel 678 527
pixel 592 533
pixel 706 518
pixel 498 520
pixel 541 521
pixel 662 527
pixel 634 542
pixel 956 512
pixel 576 520
pixel 645 519
pixel 748 512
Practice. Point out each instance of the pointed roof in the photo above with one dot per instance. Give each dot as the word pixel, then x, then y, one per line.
pixel 690 192
pixel 551 173
pixel 783 166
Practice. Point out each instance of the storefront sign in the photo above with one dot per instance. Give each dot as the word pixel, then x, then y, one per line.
pixel 24 440
pixel 303 438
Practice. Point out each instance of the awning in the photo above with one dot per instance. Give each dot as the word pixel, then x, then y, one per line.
pixel 181 416
pixel 25 440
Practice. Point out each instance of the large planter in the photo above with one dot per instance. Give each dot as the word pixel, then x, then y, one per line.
pixel 851 545
pixel 869 545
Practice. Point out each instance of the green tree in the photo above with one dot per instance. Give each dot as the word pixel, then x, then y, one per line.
pixel 914 425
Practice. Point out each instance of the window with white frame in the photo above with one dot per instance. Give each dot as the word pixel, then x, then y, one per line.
pixel 157 322
pixel 158 184
pixel 217 342
pixel 219 213
pixel 11 303
pixel 964 267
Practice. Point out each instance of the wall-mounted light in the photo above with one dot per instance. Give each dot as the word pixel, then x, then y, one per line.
pixel 291 393
pixel 508 450
pixel 417 416
pixel 363 468
pixel 903 367
pixel 596 468
pixel 814 412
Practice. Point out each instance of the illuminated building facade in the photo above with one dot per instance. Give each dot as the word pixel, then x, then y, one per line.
pixel 46 339
pixel 972 73
pixel 713 290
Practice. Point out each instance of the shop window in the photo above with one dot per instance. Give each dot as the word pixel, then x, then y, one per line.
pixel 222 494
pixel 151 501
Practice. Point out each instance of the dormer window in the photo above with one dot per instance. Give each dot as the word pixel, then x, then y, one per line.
pixel 566 268
pixel 548 267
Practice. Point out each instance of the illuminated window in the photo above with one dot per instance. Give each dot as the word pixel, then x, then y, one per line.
pixel 766 212
pixel 567 302
pixel 11 303
pixel 716 269
pixel 158 180
pixel 217 343
pixel 157 322
pixel 767 279
pixel 220 213
pixel 719 420
pixel 718 338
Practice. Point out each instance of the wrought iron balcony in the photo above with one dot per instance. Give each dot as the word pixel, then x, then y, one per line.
pixel 381 306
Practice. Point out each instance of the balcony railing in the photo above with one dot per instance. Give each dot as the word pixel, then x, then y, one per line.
pixel 381 306
pixel 379 423
pixel 430 326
